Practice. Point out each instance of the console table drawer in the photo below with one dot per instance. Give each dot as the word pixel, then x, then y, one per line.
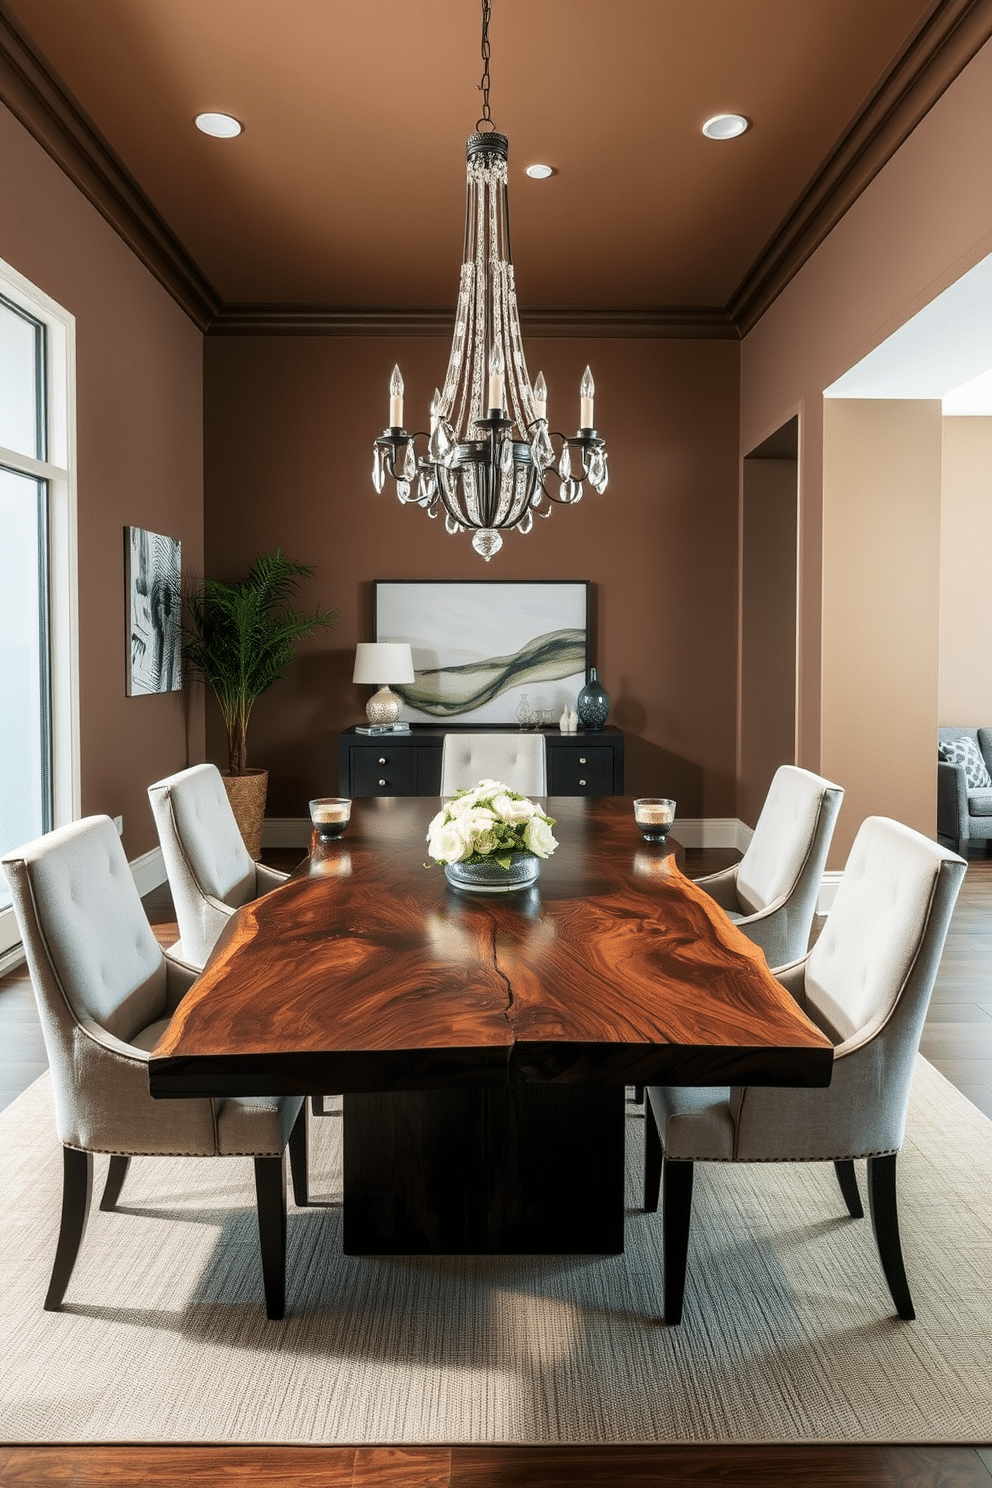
pixel 581 772
pixel 381 771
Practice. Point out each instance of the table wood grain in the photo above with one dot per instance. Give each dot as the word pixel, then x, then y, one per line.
pixel 366 971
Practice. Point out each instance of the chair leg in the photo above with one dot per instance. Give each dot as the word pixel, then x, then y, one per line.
pixel 885 1223
pixel 116 1174
pixel 298 1160
pixel 77 1190
pixel 848 1180
pixel 270 1195
pixel 653 1155
pixel 676 1214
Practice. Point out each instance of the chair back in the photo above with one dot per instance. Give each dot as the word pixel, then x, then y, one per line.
pixel 518 760
pixel 788 852
pixel 205 855
pixel 878 952
pixel 95 964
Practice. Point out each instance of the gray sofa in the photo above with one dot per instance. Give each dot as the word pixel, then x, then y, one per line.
pixel 964 812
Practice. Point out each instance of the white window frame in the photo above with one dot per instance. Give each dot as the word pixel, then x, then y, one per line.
pixel 59 471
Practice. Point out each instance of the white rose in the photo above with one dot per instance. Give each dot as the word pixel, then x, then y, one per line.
pixel 450 844
pixel 485 842
pixel 539 837
pixel 436 824
pixel 513 811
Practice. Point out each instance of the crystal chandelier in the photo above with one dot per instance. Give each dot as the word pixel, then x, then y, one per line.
pixel 489 454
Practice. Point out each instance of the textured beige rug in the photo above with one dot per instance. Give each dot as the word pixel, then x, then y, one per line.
pixel 788 1332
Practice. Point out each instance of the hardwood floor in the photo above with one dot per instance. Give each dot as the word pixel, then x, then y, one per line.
pixel 957 1040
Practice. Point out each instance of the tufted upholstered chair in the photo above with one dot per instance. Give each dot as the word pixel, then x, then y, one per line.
pixel 964 812
pixel 105 995
pixel 866 983
pixel 771 893
pixel 210 872
pixel 518 760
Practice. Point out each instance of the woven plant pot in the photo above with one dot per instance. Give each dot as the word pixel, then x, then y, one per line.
pixel 246 794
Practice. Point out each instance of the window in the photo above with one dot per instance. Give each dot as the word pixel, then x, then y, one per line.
pixel 39 771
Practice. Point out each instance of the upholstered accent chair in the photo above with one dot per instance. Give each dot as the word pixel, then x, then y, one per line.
pixel 209 869
pixel 866 983
pixel 106 993
pixel 964 785
pixel 518 760
pixel 771 893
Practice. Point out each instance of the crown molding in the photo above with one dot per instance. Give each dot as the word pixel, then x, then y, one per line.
pixel 942 47
pixel 944 44
pixel 690 323
pixel 40 101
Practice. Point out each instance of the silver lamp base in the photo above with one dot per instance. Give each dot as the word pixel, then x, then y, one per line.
pixel 383 706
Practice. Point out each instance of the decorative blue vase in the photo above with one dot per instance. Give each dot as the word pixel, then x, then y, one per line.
pixel 593 703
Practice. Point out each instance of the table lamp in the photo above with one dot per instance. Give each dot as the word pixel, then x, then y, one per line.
pixel 379 663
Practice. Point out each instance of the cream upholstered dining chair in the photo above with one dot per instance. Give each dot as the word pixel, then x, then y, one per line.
pixel 866 983
pixel 518 760
pixel 105 994
pixel 771 893
pixel 210 872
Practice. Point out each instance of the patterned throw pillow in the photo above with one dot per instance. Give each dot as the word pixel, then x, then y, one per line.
pixel 965 751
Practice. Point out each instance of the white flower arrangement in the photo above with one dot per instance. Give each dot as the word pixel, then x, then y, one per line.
pixel 488 824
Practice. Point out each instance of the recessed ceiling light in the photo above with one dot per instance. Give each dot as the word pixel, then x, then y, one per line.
pixel 725 126
pixel 539 172
pixel 221 126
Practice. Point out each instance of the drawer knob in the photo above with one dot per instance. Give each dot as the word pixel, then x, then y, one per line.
pixel 382 782
pixel 381 760
pixel 582 759
pixel 583 782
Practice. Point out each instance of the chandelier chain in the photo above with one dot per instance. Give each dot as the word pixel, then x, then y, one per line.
pixel 486 118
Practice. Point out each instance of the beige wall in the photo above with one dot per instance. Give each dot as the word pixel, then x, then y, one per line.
pixel 290 424
pixel 139 425
pixel 965 682
pixel 924 220
pixel 881 565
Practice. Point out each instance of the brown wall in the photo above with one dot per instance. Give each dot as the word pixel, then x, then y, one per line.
pixel 768 629
pixel 139 452
pixel 965 686
pixel 289 427
pixel 924 220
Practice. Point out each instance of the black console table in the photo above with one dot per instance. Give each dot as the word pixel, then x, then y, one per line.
pixel 582 764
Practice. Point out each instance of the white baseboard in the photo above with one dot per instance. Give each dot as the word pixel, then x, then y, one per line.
pixel 148 871
pixel 712 831
pixel 286 831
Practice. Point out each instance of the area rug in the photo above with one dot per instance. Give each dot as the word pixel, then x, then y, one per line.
pixel 788 1331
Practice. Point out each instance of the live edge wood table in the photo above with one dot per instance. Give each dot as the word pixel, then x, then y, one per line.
pixel 483 1042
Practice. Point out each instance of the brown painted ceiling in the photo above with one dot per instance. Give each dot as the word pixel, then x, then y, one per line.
pixel 347 186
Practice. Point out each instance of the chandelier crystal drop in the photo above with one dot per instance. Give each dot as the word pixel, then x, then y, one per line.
pixel 489 460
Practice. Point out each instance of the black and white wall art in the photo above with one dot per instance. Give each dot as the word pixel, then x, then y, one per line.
pixel 153 589
pixel 478 647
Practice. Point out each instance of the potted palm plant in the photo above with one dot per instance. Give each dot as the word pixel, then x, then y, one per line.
pixel 241 638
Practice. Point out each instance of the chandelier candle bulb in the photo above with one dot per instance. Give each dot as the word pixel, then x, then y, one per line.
pixel 496 366
pixel 396 399
pixel 540 396
pixel 435 409
pixel 586 390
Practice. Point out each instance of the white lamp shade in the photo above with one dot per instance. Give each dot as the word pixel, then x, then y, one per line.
pixel 377 662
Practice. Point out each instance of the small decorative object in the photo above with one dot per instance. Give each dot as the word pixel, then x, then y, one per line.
pixel 654 815
pixel 491 839
pixel 593 703
pixel 525 713
pixel 153 566
pixel 379 663
pixel 568 722
pixel 330 815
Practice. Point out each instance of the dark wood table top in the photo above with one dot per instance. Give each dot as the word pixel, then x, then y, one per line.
pixel 366 971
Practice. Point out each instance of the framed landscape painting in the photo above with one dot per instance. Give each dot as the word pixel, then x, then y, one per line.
pixel 478 647
pixel 153 589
